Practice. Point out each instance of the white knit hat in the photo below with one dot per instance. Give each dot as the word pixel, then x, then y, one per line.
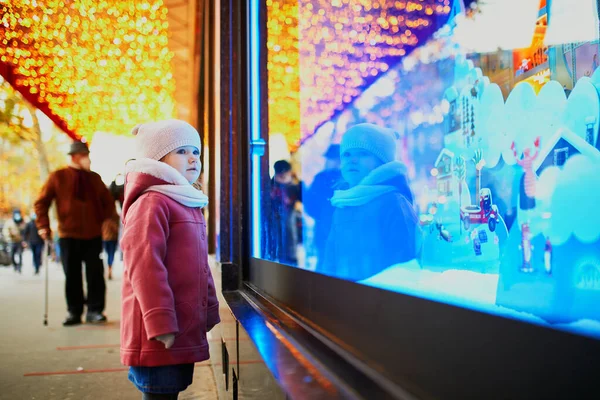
pixel 157 139
pixel 375 139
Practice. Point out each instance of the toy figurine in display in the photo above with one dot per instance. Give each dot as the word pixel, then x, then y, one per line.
pixel 460 171
pixel 548 256
pixel 524 67
pixel 474 92
pixel 479 162
pixel 485 213
pixel 477 247
pixel 526 162
pixel 483 236
pixel 527 248
pixel 443 233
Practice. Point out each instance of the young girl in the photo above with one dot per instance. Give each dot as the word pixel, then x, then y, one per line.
pixel 374 224
pixel 168 295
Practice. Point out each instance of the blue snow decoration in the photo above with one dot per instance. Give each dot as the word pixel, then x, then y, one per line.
pixel 550 266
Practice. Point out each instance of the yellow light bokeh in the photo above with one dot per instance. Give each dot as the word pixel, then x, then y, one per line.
pixel 97 65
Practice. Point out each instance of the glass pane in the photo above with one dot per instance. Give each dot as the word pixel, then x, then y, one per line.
pixel 446 149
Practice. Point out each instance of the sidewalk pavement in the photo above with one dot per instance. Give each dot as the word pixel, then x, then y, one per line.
pixel 58 363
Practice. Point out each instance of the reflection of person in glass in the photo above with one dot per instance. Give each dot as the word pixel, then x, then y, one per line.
pixel 317 199
pixel 374 223
pixel 285 193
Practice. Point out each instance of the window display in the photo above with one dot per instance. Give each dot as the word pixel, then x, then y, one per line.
pixel 408 151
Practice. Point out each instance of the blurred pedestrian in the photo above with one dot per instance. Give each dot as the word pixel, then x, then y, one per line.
pixel 13 232
pixel 110 238
pixel 284 232
pixel 317 200
pixel 35 243
pixel 83 203
pixel 117 189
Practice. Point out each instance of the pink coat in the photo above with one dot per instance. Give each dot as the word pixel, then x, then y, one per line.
pixel 167 283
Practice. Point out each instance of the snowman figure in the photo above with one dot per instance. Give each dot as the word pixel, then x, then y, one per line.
pixel 548 256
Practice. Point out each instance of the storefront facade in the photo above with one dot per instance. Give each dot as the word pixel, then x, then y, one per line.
pixel 457 266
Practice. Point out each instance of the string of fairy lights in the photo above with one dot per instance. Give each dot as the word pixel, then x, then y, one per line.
pixel 102 65
pixel 322 53
pixel 97 65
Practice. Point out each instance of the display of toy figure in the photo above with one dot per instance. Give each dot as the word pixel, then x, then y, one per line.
pixel 477 247
pixel 485 213
pixel 526 162
pixel 548 256
pixel 443 234
pixel 483 237
pixel 527 248
pixel 476 238
pixel 524 67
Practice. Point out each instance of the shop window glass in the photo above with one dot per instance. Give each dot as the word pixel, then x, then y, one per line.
pixel 415 145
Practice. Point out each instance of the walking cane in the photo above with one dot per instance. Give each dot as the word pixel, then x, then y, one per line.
pixel 45 264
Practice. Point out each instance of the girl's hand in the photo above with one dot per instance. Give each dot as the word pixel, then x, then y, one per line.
pixel 168 339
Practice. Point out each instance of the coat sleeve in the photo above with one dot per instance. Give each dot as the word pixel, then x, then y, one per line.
pixel 6 231
pixel 213 317
pixel 144 245
pixel 43 202
pixel 314 200
pixel 402 228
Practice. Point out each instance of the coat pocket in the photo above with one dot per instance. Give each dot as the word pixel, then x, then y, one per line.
pixel 132 326
pixel 185 315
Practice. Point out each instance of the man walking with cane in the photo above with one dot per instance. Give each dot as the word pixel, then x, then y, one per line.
pixel 83 202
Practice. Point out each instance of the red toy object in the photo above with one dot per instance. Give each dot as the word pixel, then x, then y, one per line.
pixel 485 213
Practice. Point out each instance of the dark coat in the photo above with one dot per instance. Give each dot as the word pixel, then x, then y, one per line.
pixel 366 239
pixel 284 232
pixel 31 235
pixel 82 203
pixel 317 204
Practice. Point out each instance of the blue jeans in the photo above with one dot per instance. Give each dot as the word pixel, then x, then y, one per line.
pixel 110 246
pixel 164 379
pixel 36 251
pixel 57 249
pixel 16 252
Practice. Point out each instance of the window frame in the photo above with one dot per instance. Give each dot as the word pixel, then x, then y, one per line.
pixel 431 349
pixel 559 153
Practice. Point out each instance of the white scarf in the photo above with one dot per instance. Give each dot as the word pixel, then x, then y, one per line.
pixel 178 189
pixel 369 188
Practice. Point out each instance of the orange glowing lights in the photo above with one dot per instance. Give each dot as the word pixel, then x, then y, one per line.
pixel 96 65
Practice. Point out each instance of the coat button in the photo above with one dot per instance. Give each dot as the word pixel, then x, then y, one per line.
pixel 203 303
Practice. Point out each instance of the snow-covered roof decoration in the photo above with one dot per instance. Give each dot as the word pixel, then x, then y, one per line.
pixel 444 152
pixel 580 144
